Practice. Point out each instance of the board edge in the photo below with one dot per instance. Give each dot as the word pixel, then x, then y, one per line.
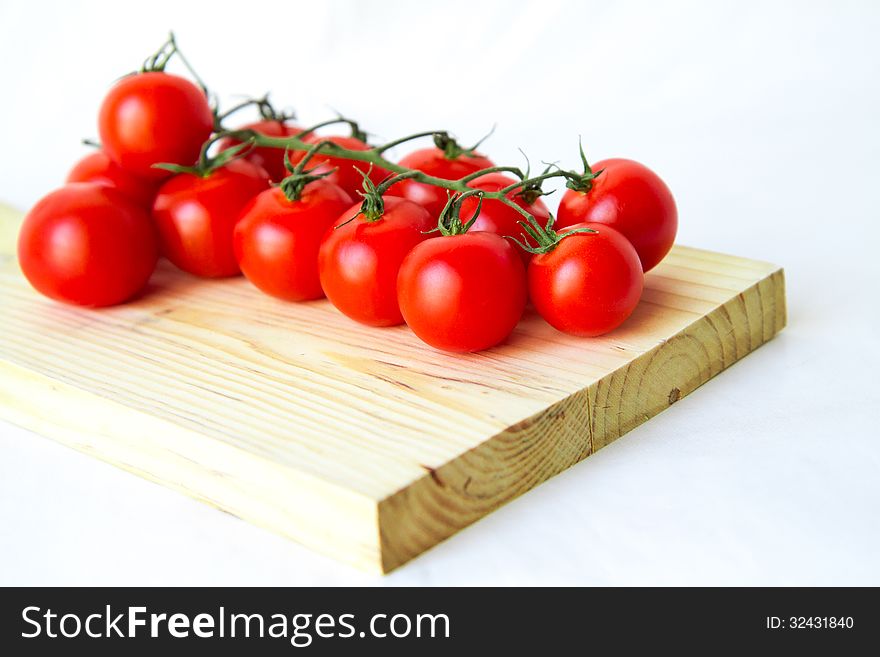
pixel 430 503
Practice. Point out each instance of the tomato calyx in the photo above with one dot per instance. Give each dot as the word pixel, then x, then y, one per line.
pixel 206 163
pixel 452 150
pixel 582 182
pixel 157 62
pixel 268 112
pixel 531 192
pixel 531 189
pixel 449 222
pixel 545 236
pixel 373 205
pixel 294 184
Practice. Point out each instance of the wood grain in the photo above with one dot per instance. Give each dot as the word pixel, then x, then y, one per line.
pixel 361 443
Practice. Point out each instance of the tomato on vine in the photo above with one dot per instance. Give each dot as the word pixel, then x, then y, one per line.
pixel 98 167
pixel 196 211
pixel 499 218
pixel 359 260
pixel 153 116
pixel 630 198
pixel 87 244
pixel 213 215
pixel 446 159
pixel 587 281
pixel 277 238
pixel 464 291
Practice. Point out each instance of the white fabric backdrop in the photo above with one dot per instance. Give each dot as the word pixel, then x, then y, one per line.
pixel 761 116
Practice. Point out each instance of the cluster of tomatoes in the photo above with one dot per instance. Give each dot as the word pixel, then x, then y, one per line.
pixel 459 270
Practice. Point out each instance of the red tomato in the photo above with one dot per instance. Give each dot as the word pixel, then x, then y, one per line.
pixel 631 198
pixel 346 175
pixel 154 117
pixel 87 244
pixel 462 292
pixel 196 216
pixel 277 240
pixel 271 159
pixel 358 262
pixel 495 217
pixel 434 162
pixel 589 284
pixel 97 167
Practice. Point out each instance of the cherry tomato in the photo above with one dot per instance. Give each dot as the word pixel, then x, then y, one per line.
pixel 87 244
pixel 154 117
pixel 496 217
pixel 358 262
pixel 271 159
pixel 346 175
pixel 631 198
pixel 277 240
pixel 196 216
pixel 462 292
pixel 434 162
pixel 97 167
pixel 589 284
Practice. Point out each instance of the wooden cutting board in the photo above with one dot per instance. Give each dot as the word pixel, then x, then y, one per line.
pixel 361 443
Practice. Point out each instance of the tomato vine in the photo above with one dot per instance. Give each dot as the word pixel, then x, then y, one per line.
pixel 375 157
pixel 528 187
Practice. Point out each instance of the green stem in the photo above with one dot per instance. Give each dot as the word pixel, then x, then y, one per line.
pixel 386 185
pixel 501 169
pixel 159 60
pixel 539 179
pixel 207 163
pixel 396 142
pixel 186 63
pixel 310 153
pixel 355 128
pixel 374 157
pixel 235 108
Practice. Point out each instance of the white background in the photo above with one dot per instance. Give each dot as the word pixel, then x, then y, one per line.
pixel 761 116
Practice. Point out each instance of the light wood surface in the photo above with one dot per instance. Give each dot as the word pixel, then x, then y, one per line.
pixel 362 443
